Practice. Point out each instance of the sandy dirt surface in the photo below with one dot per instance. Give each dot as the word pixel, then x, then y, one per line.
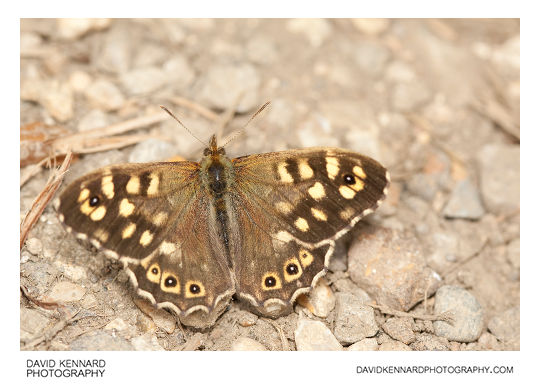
pixel 435 101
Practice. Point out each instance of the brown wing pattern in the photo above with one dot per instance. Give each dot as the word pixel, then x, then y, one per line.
pixel 291 207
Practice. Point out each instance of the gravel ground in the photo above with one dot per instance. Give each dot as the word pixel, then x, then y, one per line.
pixel 436 101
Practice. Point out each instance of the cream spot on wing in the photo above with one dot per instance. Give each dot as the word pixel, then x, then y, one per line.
pixel 301 224
pixel 306 258
pixel 318 214
pixel 359 171
pixel 304 169
pixel 128 230
pixel 154 184
pixel 332 167
pixel 347 213
pixel 284 207
pixel 154 273
pixel 146 238
pixel 358 184
pixel 133 185
pixel 167 247
pixel 126 208
pixel 102 235
pixel 107 186
pixel 98 214
pixel 347 192
pixel 317 191
pixel 284 175
pixel 86 208
pixel 283 236
pixel 83 195
pixel 160 218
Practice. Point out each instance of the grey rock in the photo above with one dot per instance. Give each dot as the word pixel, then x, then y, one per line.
pixel 152 150
pixel 489 342
pixel 247 344
pixel 464 202
pixel 221 86
pixel 100 340
pixel 313 335
pixel 367 344
pixel 57 99
pixel 179 72
pixel 65 292
pixel 354 320
pixel 390 266
pixel 400 328
pixel 499 177
pixel 505 325
pixel 321 300
pixel 115 52
pixel 467 314
pixel 34 245
pixel 143 80
pixel 105 95
pixel 428 342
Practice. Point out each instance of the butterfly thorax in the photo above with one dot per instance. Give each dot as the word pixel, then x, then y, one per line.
pixel 216 172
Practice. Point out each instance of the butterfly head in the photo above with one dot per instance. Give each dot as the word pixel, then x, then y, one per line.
pixel 213 150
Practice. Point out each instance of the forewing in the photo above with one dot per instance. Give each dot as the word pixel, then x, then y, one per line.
pixel 154 219
pixel 291 207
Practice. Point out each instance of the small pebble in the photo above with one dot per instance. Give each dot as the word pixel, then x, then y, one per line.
pixel 500 177
pixel 354 321
pixel 146 342
pixel 390 266
pixel 117 324
pixel 161 318
pixel 464 202
pixel 143 80
pixel 34 246
pixel 100 340
pixel 428 342
pixel 506 325
pixel 79 81
pixel 247 344
pixel 152 150
pixel 409 97
pixel 467 314
pixel 115 53
pixel 222 84
pixel 400 328
pixel 94 119
pixel 317 31
pixel 320 301
pixel 72 29
pixel 313 335
pixel 367 344
pixel 65 292
pixel 105 95
pixel 58 100
pixel 371 27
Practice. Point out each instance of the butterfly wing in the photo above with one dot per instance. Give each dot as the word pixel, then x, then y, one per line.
pixel 291 207
pixel 154 218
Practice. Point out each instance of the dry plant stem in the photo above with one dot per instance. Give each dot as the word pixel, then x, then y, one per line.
pixel 465 261
pixel 194 342
pixel 43 198
pixel 197 108
pixel 445 316
pixel 36 168
pixel 38 303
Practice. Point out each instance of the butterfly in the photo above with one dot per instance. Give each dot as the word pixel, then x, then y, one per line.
pixel 191 235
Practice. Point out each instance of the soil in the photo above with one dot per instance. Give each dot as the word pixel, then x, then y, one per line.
pixel 435 101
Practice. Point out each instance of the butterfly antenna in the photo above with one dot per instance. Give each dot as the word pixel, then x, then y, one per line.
pixel 243 129
pixel 179 122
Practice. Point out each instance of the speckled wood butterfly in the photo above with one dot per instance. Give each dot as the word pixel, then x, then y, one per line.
pixel 191 235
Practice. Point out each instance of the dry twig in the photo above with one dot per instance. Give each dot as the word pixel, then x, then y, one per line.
pixel 41 201
pixel 445 316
